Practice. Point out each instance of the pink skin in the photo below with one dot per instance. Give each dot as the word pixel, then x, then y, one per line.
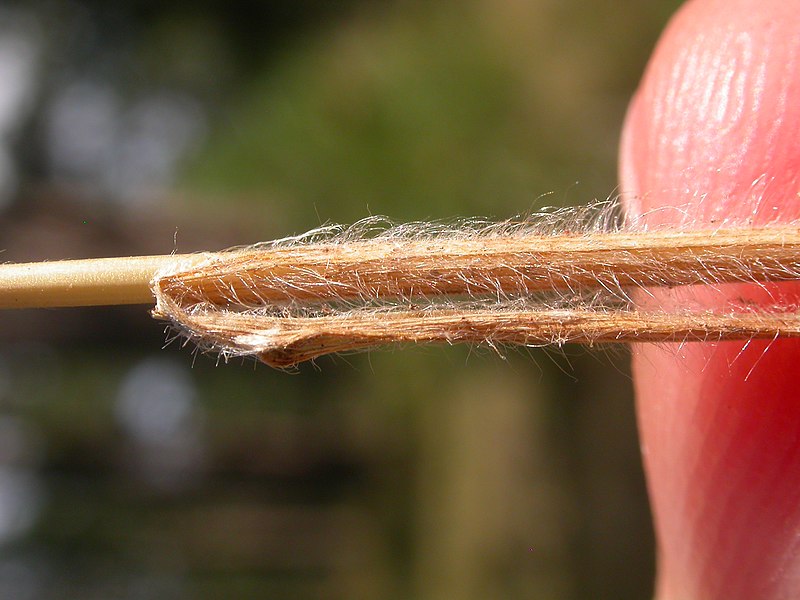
pixel 715 127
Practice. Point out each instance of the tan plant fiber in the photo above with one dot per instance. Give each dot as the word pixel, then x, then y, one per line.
pixel 513 283
pixel 285 341
pixel 384 268
pixel 555 277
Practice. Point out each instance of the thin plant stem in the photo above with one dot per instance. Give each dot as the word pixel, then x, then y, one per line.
pixel 293 300
pixel 283 342
pixel 402 268
pixel 386 268
pixel 90 282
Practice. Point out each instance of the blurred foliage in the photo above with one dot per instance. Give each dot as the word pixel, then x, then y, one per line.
pixel 404 473
pixel 434 109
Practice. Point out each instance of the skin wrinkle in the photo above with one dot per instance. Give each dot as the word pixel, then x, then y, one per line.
pixel 683 67
pixel 678 115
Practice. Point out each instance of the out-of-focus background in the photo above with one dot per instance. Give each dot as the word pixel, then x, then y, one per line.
pixel 133 471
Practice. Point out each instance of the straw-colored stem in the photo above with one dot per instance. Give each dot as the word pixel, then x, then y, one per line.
pixel 386 269
pixel 286 303
pixel 91 282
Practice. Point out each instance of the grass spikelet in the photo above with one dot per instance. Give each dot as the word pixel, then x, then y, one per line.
pixel 556 277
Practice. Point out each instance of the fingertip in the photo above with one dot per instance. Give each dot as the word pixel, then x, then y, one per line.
pixel 715 122
pixel 714 130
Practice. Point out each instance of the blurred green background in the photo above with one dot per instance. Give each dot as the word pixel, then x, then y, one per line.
pixel 129 470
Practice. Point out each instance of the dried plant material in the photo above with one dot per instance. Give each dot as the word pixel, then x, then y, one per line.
pixel 561 276
pixel 505 260
pixel 517 282
pixel 284 341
